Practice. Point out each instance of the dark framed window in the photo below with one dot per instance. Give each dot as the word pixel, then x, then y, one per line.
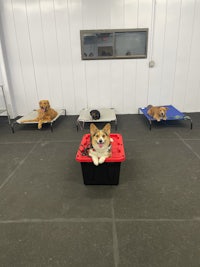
pixel 114 44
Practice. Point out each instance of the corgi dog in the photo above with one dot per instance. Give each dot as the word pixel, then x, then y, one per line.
pixel 100 143
pixel 158 113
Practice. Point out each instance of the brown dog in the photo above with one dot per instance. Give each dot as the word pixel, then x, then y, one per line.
pixel 158 113
pixel 45 114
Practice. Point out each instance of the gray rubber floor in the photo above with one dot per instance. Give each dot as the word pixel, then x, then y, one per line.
pixel 48 217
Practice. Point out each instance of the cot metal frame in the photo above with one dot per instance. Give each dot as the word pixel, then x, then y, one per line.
pixel 5 110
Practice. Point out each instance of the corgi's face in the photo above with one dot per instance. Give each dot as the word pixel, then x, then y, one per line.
pixel 100 138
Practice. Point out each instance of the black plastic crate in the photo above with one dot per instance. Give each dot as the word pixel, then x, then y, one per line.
pixel 106 173
pixel 103 174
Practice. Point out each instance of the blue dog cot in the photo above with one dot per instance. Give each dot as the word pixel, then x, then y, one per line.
pixel 172 114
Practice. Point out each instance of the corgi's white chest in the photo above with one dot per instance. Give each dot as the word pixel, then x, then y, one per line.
pixel 101 151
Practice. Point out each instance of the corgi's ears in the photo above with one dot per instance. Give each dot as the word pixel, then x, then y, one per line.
pixel 93 129
pixel 107 128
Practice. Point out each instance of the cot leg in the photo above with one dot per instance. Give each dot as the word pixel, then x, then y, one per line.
pixel 189 118
pixel 78 124
pixel 12 127
pixel 191 124
pixel 150 125
pixel 115 125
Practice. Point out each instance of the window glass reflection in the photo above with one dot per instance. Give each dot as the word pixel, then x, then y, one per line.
pixel 130 43
pixel 98 45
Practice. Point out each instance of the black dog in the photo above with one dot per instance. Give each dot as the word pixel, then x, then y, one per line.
pixel 95 114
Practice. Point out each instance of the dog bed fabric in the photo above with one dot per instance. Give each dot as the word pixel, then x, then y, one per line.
pixel 172 114
pixel 107 115
pixel 33 114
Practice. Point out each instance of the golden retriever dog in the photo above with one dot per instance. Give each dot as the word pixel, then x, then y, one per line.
pixel 45 114
pixel 100 143
pixel 158 113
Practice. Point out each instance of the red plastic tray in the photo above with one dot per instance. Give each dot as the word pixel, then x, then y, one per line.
pixel 118 153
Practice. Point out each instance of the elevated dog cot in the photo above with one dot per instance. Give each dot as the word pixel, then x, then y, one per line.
pixel 107 115
pixel 33 114
pixel 172 114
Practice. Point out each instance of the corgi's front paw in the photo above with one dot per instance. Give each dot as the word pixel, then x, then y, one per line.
pixel 101 160
pixel 95 161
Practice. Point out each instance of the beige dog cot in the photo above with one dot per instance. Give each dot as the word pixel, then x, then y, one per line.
pixel 107 115
pixel 33 114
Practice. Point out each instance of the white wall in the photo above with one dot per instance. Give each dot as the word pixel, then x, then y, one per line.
pixel 41 48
